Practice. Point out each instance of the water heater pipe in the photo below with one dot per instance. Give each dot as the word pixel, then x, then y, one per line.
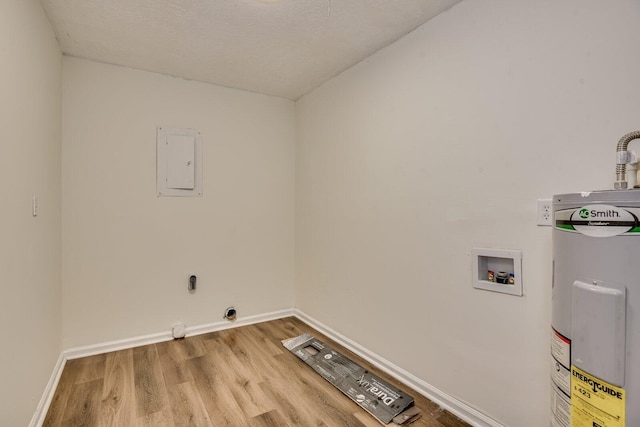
pixel 624 157
pixel 632 174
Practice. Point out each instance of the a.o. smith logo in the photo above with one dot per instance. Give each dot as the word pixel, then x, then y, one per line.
pixel 596 220
pixel 594 213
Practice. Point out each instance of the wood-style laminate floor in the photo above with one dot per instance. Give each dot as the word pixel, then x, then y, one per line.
pixel 237 377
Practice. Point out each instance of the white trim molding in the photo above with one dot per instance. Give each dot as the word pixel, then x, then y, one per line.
pixel 453 405
pixel 106 347
pixel 450 403
pixel 240 321
pixel 91 350
pixel 47 396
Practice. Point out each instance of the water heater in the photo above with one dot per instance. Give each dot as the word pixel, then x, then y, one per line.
pixel 595 334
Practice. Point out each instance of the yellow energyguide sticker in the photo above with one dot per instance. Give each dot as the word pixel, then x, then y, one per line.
pixel 595 403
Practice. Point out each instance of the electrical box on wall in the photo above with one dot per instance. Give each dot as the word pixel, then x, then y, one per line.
pixel 179 162
pixel 497 270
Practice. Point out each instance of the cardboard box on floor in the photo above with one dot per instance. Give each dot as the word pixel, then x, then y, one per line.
pixel 382 400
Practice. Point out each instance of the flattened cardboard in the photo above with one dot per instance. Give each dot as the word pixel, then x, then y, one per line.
pixel 408 416
pixel 375 395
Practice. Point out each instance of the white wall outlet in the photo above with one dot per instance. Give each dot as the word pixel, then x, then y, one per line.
pixel 545 214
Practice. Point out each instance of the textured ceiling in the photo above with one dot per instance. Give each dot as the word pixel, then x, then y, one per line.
pixel 277 47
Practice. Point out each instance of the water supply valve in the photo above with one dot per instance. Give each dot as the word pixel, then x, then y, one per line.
pixel 625 158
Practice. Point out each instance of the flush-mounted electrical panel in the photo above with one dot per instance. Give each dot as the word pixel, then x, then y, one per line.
pixel 497 270
pixel 179 162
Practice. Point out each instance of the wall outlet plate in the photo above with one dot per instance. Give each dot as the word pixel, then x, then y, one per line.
pixel 545 214
pixel 179 330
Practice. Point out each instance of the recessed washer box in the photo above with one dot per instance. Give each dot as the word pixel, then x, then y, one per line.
pixel 496 260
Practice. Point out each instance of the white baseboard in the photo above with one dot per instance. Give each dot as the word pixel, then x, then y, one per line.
pixel 241 321
pixel 453 405
pixel 106 347
pixel 47 396
pixel 91 350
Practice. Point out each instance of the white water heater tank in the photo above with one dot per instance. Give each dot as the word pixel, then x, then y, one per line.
pixel 595 319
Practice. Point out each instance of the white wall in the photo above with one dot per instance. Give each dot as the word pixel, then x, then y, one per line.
pixel 30 98
pixel 127 254
pixel 443 142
